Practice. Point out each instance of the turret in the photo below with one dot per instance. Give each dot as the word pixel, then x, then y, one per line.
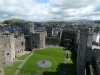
pixel 30 32
pixel 31 27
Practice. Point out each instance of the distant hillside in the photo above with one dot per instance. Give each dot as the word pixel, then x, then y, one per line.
pixel 11 21
pixel 55 24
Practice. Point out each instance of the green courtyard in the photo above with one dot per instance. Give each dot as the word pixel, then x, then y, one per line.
pixel 55 55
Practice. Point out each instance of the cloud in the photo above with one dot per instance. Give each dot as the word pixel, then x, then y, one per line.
pixel 52 10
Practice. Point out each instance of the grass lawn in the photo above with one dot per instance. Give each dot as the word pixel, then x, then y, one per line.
pixel 55 55
pixel 71 65
pixel 23 57
pixel 11 71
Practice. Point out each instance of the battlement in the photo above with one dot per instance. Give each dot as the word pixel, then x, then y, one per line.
pixel 7 35
pixel 87 31
pixel 70 30
pixel 38 33
pixel 20 36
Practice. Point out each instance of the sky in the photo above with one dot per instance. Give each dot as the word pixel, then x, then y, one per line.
pixel 50 10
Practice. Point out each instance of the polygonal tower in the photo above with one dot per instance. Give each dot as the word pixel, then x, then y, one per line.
pixel 85 42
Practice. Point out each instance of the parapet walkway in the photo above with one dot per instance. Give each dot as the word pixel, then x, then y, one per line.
pixel 23 62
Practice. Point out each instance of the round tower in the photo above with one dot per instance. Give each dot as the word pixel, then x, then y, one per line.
pixel 31 27
pixel 30 31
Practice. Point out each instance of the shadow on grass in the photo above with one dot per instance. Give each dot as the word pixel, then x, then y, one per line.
pixel 69 68
pixel 71 65
pixel 57 72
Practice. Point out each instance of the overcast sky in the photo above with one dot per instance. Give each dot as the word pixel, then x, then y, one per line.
pixel 50 10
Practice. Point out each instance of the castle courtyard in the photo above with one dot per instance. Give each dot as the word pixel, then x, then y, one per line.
pixel 55 55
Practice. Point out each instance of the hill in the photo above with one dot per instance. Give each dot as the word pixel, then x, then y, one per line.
pixel 11 21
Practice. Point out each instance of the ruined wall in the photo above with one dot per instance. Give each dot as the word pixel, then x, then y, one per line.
pixel 1 65
pixel 52 41
pixel 84 44
pixel 19 44
pixel 8 48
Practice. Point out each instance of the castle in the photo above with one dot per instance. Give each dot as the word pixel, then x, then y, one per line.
pixel 88 57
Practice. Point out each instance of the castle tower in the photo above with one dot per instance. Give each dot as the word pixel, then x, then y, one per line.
pixel 1 65
pixel 59 34
pixel 30 32
pixel 49 31
pixel 84 44
pixel 38 40
pixel 8 48
pixel 31 27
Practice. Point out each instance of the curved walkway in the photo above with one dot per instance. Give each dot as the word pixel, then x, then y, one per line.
pixel 23 62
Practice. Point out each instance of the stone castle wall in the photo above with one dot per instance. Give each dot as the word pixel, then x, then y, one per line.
pixel 8 48
pixel 19 44
pixel 52 41
pixel 84 44
pixel 1 65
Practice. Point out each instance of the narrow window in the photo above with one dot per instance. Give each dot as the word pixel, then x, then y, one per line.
pixel 7 53
pixel 22 43
pixel 33 42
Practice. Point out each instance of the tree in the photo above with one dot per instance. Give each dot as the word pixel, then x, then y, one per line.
pixel 1 26
pixel 7 22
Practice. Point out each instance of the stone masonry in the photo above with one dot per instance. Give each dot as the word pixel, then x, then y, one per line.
pixel 8 48
pixel 84 44
pixel 1 65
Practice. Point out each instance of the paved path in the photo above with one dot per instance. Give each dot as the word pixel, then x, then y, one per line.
pixel 65 70
pixel 18 70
